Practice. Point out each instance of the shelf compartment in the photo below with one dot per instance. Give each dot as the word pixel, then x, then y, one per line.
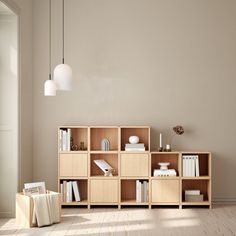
pixel 128 192
pixel 99 133
pixel 165 191
pixel 196 184
pixel 79 134
pixel 111 159
pixel 172 158
pixel 204 162
pixel 142 132
pixel 83 191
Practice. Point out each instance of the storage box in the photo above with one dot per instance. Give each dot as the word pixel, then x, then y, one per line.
pixel 24 209
pixel 193 198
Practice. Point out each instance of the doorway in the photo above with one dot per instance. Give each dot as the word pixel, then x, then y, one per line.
pixel 9 107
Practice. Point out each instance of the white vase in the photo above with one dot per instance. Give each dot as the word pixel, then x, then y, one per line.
pixel 133 139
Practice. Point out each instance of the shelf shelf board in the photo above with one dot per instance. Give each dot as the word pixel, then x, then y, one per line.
pixel 165 203
pixel 205 203
pixel 166 177
pixel 73 178
pixel 103 177
pixel 134 152
pixel 194 152
pixel 135 177
pixel 196 178
pixel 73 152
pixel 104 152
pixel 83 202
pixel 164 153
pixel 133 202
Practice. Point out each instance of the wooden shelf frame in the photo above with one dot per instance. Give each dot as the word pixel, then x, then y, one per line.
pixel 140 166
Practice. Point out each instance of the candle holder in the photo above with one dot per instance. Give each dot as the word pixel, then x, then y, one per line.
pixel 160 149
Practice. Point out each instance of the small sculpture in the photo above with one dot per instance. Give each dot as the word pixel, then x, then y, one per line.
pixel 105 145
pixel 134 139
pixel 179 130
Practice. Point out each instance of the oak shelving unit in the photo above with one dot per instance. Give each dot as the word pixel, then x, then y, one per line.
pixel 120 189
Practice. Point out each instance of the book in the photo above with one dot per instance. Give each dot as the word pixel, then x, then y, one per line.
pixel 76 191
pixel 64 142
pixel 68 139
pixel 145 191
pixel 32 191
pixel 192 169
pixel 192 192
pixel 60 140
pixel 194 198
pixel 197 165
pixel 184 165
pixel 168 172
pixel 64 190
pixel 137 145
pixel 134 149
pixel 40 185
pixel 138 191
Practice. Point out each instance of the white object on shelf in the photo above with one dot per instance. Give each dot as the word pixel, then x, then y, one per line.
pixel 133 139
pixel 104 166
pixel 163 173
pixel 164 165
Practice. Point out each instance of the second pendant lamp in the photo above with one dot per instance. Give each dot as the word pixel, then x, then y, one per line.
pixel 63 72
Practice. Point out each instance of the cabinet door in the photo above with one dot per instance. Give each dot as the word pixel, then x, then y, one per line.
pixel 73 165
pixel 165 191
pixel 65 165
pixel 104 191
pixel 79 165
pixel 134 164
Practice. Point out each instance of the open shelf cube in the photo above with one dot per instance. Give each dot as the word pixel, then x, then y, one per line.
pixel 83 191
pixel 172 158
pixel 142 132
pixel 79 137
pixel 204 162
pixel 111 159
pixel 97 134
pixel 203 185
pixel 128 192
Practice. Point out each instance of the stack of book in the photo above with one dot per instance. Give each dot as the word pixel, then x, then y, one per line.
pixel 65 139
pixel 142 191
pixel 134 147
pixel 164 173
pixel 70 191
pixel 193 196
pixel 190 165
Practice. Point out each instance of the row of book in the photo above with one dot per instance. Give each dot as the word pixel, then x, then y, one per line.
pixel 134 147
pixel 193 196
pixel 70 191
pixel 142 190
pixel 65 140
pixel 190 165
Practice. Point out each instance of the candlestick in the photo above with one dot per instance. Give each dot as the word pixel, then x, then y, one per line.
pixel 160 145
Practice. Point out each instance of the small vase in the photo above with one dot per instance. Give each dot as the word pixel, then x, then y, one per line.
pixel 133 139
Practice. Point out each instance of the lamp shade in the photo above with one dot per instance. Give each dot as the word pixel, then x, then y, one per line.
pixel 63 77
pixel 50 88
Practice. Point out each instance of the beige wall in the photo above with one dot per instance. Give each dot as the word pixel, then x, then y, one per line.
pixel 136 62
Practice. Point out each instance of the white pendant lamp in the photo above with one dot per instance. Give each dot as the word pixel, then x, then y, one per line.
pixel 63 72
pixel 50 87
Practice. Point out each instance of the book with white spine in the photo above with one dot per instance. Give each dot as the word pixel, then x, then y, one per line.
pixel 103 165
pixel 192 192
pixel 197 165
pixel 76 191
pixel 68 139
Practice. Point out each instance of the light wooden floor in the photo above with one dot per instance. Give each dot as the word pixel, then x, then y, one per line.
pixel 221 220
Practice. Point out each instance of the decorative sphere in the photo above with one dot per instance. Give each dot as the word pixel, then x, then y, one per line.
pixel 133 139
pixel 63 77
pixel 50 88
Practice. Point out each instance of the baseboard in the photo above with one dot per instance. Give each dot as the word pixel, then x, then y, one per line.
pixel 218 201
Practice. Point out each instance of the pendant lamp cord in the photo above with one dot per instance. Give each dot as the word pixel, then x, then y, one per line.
pixel 50 56
pixel 63 31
